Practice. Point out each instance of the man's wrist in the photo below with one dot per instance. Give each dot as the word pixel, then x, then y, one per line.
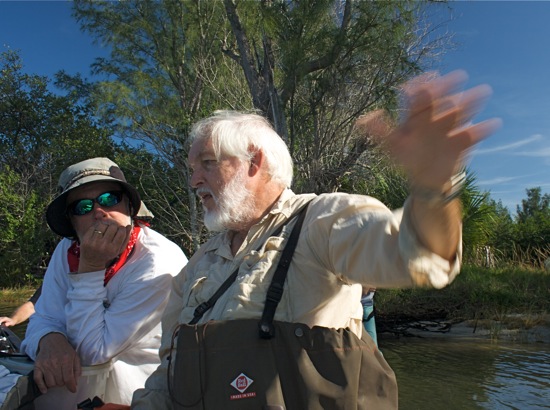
pixel 48 335
pixel 435 197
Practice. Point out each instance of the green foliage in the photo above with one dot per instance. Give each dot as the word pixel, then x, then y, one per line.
pixel 377 176
pixel 502 238
pixel 311 67
pixel 532 228
pixel 20 226
pixel 534 206
pixel 478 216
pixel 154 178
pixel 333 61
pixel 491 237
pixel 40 134
pixel 164 74
pixel 477 293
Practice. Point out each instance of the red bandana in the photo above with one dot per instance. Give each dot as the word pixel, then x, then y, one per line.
pixel 73 256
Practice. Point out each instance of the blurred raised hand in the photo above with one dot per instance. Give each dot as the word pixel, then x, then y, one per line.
pixel 436 132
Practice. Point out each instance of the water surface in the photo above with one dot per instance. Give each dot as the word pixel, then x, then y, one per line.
pixel 457 374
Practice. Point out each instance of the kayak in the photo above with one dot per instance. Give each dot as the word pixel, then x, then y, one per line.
pixel 16 368
pixel 10 343
pixel 10 356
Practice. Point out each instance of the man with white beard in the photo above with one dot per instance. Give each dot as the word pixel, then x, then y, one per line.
pixel 242 172
pixel 233 204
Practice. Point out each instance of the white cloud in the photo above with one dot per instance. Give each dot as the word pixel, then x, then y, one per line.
pixel 545 152
pixel 533 179
pixel 496 181
pixel 509 147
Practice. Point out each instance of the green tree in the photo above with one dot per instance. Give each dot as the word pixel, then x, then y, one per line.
pixel 164 74
pixel 533 227
pixel 489 232
pixel 478 216
pixel 21 251
pixel 40 134
pixel 311 67
pixel 376 175
pixel 151 175
pixel 502 240
pixel 535 205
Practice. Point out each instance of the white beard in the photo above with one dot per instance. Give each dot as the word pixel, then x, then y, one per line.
pixel 234 205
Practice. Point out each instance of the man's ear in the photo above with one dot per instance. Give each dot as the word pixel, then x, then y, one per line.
pixel 256 163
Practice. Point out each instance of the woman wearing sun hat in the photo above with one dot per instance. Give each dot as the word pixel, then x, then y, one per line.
pixel 105 287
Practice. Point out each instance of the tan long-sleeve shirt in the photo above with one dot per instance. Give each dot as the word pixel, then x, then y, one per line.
pixel 346 242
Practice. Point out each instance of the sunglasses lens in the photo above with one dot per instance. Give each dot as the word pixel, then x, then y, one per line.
pixel 109 199
pixel 82 207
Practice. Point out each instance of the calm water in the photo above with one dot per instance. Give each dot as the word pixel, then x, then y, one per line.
pixel 450 374
pixel 446 374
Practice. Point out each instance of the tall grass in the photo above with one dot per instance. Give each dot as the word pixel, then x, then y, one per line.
pixel 477 293
pixel 16 296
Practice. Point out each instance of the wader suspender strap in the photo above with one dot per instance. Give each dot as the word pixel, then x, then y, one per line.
pixel 285 259
pixel 275 291
pixel 204 306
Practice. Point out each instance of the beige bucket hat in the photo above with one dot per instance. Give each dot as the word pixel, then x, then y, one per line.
pixel 82 173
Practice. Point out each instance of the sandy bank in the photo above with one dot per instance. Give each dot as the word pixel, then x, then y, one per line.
pixel 513 328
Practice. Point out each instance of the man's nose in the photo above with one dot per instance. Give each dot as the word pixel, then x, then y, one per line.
pixel 99 211
pixel 195 180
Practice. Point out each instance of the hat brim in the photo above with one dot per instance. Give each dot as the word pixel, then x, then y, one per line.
pixel 56 214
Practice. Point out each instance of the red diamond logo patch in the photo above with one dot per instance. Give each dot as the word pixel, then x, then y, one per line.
pixel 242 382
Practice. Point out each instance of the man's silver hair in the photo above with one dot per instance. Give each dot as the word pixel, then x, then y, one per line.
pixel 241 135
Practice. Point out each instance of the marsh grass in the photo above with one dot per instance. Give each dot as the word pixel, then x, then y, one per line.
pixel 492 294
pixel 16 296
pixel 487 296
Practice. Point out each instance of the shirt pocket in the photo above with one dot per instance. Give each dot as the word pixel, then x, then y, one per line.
pixel 192 291
pixel 256 273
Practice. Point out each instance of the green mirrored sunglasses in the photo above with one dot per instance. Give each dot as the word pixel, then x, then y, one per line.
pixel 85 206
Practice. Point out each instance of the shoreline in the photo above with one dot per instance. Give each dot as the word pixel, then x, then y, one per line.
pixel 508 331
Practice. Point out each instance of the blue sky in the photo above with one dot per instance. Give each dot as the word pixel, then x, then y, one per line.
pixel 504 44
pixel 501 43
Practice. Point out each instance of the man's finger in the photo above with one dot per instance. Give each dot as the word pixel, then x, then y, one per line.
pixel 77 368
pixel 39 380
pixel 469 103
pixel 471 135
pixel 70 379
pixel 420 95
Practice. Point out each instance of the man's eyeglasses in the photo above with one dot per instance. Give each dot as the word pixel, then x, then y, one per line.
pixel 85 206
